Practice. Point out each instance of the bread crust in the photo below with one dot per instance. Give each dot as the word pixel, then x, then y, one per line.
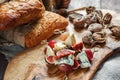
pixel 33 33
pixel 45 28
pixel 17 12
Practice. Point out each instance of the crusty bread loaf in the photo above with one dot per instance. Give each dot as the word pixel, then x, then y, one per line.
pixel 15 13
pixel 45 28
pixel 31 35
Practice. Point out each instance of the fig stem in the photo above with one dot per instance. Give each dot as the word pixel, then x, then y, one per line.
pixel 78 9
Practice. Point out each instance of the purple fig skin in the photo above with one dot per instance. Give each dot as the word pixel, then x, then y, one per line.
pixel 65 68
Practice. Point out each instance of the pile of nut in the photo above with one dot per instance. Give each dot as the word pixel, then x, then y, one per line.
pixel 93 16
pixel 95 22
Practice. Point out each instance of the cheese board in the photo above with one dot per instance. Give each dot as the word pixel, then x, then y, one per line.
pixel 31 65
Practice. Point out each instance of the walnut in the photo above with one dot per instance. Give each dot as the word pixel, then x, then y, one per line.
pixel 107 18
pixel 99 16
pixel 87 38
pixel 99 37
pixel 95 27
pixel 115 30
pixel 90 9
pixel 79 22
pixel 94 17
pixel 99 13
pixel 93 39
pixel 91 18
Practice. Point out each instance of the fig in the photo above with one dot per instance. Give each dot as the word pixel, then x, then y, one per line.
pixel 65 68
pixel 45 51
pixel 70 41
pixel 64 52
pixel 50 59
pixel 78 47
pixel 89 54
pixel 52 43
pixel 76 64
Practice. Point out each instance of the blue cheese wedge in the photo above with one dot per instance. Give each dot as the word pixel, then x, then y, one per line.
pixel 84 60
pixel 66 60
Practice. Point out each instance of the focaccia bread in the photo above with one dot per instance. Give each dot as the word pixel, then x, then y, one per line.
pixel 15 13
pixel 32 34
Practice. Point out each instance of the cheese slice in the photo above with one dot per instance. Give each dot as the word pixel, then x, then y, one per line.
pixel 49 51
pixel 84 60
pixel 66 60
pixel 70 41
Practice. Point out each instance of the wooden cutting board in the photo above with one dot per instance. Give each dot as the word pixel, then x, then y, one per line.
pixel 30 63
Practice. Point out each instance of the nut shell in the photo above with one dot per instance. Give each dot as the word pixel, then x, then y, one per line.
pixel 115 31
pixel 95 27
pixel 87 38
pixel 107 18
pixel 90 9
pixel 99 37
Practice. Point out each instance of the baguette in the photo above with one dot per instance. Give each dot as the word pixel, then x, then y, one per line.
pixel 31 35
pixel 15 13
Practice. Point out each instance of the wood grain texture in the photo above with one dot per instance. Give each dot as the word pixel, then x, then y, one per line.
pixel 30 63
